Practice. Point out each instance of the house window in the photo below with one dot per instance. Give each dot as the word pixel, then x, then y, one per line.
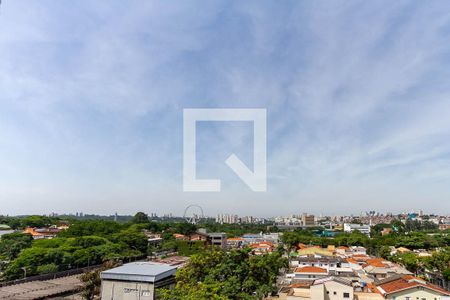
pixel 346 295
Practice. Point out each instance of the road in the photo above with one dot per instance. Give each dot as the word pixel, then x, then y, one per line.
pixel 41 289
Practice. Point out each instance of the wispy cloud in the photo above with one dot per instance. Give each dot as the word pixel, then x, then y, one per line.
pixel 92 94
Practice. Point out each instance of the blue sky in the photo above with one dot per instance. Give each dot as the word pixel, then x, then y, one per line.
pixel 92 93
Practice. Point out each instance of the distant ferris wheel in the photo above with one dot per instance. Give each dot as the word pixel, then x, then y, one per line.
pixel 193 213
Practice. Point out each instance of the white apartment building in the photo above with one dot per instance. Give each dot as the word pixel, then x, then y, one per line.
pixel 348 227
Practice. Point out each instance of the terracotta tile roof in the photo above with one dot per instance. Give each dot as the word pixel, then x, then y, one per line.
pixel 360 257
pixel 31 231
pixel 373 288
pixel 41 231
pixel 235 239
pixel 260 245
pixel 267 243
pixel 407 282
pixel 376 262
pixel 310 270
pixel 351 260
pixel 301 246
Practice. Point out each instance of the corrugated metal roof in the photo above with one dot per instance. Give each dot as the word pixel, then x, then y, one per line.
pixel 140 271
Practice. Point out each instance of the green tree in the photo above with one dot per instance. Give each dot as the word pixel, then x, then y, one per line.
pixel 236 274
pixel 92 227
pixel 46 269
pixel 409 260
pixel 12 244
pixel 446 274
pixel 37 221
pixel 140 218
pixel 91 284
pixel 132 238
pixel 384 252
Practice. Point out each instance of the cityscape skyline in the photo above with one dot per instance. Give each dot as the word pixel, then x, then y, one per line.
pixel 92 98
pixel 153 214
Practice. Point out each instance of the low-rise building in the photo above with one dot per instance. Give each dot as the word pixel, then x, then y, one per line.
pixel 310 273
pixel 138 280
pixel 358 250
pixel 328 288
pixel 262 248
pixel 383 272
pixel 252 238
pixel 314 250
pixel 348 227
pixel 410 287
pixel 180 237
pixel 218 239
pixel 332 288
pixel 153 239
pixel 330 263
pixel 235 243
pixel 42 233
pixel 199 236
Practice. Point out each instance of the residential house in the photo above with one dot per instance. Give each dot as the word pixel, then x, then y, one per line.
pixel 332 288
pixel 262 248
pixel 180 237
pixel 314 250
pixel 235 243
pixel 330 263
pixel 407 287
pixel 42 233
pixel 310 273
pixel 381 269
pixel 199 236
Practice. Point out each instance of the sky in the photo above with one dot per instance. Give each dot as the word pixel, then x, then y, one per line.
pixel 92 94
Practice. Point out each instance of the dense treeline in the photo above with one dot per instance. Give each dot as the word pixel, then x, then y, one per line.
pixel 29 221
pixel 71 251
pixel 438 263
pixel 399 238
pixel 229 275
pixel 89 242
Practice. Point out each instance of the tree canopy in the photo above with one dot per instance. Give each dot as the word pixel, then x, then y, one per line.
pixel 236 274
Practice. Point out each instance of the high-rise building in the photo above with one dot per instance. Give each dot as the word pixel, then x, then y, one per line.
pixel 308 220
